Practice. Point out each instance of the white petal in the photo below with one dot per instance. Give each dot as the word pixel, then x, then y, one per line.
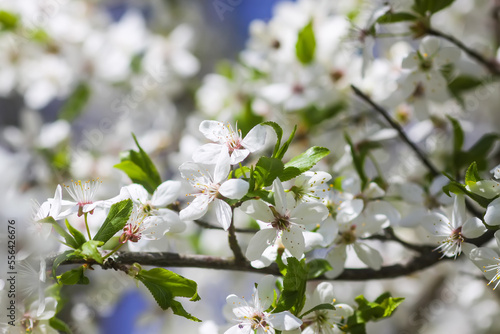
pixel 485 188
pixel 223 166
pixel 196 173
pixel 279 197
pixel 473 228
pixel 196 209
pixel 458 218
pixel 55 207
pixel 223 213
pixel 324 294
pixel 215 131
pixel 336 257
pixel 349 210
pixel 492 215
pixel 312 240
pixel 437 224
pixel 309 213
pixel 243 328
pixel 258 209
pixel 370 256
pixel 268 256
pixel 234 188
pixel 284 321
pixel 447 55
pixel 429 46
pixel 137 193
pixel 265 292
pixel 329 229
pixel 175 224
pixel 411 61
pixel 255 138
pixel 208 153
pixel 373 191
pixel 238 156
pixel 293 240
pixel 156 227
pixel 259 242
pixel 496 172
pixel 166 193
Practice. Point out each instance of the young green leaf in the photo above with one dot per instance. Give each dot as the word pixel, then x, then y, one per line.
pixel 458 135
pixel 74 276
pixel 165 285
pixel 69 254
pixel 308 159
pixel 306 44
pixel 76 102
pixel 139 168
pixel 77 235
pixel 60 325
pixel 424 7
pixel 90 252
pixel 472 175
pixel 279 135
pixel 284 148
pixel 319 308
pixel 115 221
pixel 68 238
pixel 267 170
pixel 294 287
pixel 391 17
pixel 8 21
pixel 317 267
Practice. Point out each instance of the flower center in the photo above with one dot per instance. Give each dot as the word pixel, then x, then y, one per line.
pixel 28 324
pixel 349 237
pixel 259 321
pixel 131 232
pixel 280 222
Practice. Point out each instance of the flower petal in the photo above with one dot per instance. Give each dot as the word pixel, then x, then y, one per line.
pixel 234 188
pixel 309 213
pixel 492 215
pixel 215 131
pixel 223 213
pixel 259 242
pixel 196 209
pixel 485 188
pixel 223 166
pixel 137 193
pixel 336 257
pixel 370 256
pixel 293 240
pixel 279 197
pixel 265 292
pixel 437 224
pixel 349 210
pixel 255 138
pixel 166 193
pixel 258 209
pixel 208 153
pixel 238 156
pixel 284 321
pixel 473 228
pixel 458 218
pixel 175 224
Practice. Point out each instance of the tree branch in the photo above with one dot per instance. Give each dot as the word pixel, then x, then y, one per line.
pixel 490 64
pixel 233 242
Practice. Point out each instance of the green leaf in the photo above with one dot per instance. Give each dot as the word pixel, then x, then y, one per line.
pixel 90 252
pixel 458 188
pixel 463 83
pixel 165 285
pixel 314 115
pixel 8 21
pixel 319 308
pixel 383 307
pixel 472 175
pixel 69 254
pixel 115 221
pixel 77 235
pixel 59 325
pixel 289 173
pixel 74 276
pixel 279 135
pixel 358 160
pixel 423 7
pixel 139 168
pixel 68 238
pixel 479 152
pixel 306 44
pixel 76 102
pixel 305 161
pixel 391 17
pixel 317 267
pixel 294 287
pixel 458 135
pixel 284 148
pixel 267 170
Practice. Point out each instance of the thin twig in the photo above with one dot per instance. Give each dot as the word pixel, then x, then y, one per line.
pixel 490 64
pixel 434 171
pixel 214 227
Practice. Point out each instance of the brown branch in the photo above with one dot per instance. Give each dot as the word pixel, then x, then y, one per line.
pixel 233 242
pixel 490 64
pixel 430 166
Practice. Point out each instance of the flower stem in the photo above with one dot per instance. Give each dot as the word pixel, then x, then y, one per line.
pixel 113 251
pixel 87 225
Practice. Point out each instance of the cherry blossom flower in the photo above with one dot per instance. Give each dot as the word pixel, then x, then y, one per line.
pixel 141 226
pixel 223 136
pixel 496 172
pixel 286 218
pixel 453 232
pixel 488 261
pixel 83 194
pixel 166 193
pixel 311 186
pixel 324 321
pixel 213 183
pixel 254 317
